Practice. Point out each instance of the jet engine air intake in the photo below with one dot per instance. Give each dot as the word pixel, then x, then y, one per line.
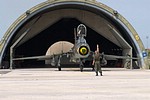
pixel 83 50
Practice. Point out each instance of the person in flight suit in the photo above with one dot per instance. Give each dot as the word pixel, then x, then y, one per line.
pixel 96 62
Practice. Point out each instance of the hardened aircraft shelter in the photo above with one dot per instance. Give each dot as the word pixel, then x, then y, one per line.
pixel 54 20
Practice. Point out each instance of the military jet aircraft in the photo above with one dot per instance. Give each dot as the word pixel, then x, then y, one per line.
pixel 79 53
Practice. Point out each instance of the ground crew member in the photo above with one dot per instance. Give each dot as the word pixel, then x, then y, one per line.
pixel 96 62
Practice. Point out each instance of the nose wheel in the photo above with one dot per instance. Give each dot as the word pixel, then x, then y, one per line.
pixel 59 68
pixel 81 68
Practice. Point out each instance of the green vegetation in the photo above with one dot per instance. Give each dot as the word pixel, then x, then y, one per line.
pixel 148 51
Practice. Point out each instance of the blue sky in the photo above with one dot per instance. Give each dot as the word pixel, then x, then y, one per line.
pixel 135 11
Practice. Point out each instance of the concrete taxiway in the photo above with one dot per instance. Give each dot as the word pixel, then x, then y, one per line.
pixel 71 84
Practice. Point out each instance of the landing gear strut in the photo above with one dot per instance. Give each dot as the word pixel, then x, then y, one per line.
pixel 81 66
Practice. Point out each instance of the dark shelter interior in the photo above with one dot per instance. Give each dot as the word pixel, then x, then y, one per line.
pixel 63 30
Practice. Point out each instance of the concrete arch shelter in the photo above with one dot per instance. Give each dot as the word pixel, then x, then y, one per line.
pixel 54 20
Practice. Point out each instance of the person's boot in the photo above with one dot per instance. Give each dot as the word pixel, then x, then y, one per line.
pixel 96 73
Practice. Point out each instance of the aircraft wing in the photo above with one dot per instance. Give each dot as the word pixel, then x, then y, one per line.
pixel 115 57
pixel 106 56
pixel 112 57
pixel 45 57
